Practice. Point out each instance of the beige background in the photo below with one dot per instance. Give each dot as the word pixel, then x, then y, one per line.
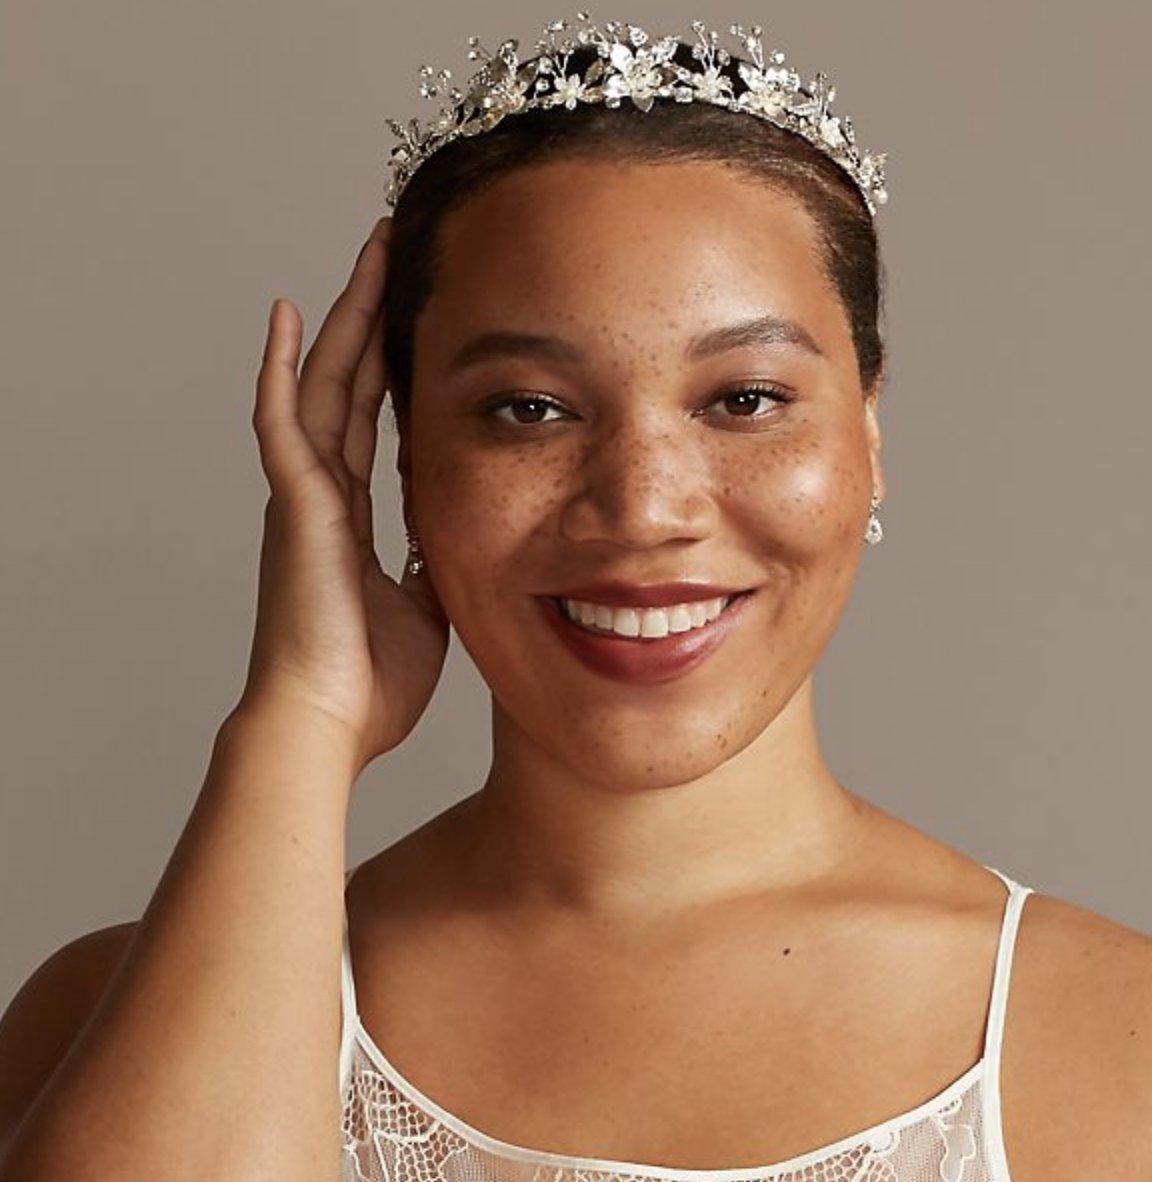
pixel 173 166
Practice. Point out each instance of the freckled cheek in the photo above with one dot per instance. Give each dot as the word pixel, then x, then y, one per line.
pixel 480 517
pixel 805 500
pixel 488 497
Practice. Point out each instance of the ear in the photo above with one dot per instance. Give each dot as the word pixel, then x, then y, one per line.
pixel 872 428
pixel 404 468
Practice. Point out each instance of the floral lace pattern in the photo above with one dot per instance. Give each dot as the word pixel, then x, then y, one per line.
pixel 390 1136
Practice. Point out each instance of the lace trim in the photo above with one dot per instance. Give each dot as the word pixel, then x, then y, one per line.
pixel 412 1138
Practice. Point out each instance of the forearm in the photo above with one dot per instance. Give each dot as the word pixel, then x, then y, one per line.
pixel 213 1053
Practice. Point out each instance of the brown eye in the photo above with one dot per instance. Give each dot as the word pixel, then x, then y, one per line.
pixel 746 401
pixel 535 404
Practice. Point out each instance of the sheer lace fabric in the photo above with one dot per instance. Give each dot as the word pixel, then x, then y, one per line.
pixel 390 1137
pixel 392 1132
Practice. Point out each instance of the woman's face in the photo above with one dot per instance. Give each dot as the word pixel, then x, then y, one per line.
pixel 633 458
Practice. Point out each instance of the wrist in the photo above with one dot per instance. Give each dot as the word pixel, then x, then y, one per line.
pixel 287 719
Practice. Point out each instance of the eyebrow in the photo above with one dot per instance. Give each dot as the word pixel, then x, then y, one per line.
pixel 760 330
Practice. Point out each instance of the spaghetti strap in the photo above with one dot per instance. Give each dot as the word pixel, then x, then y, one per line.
pixel 998 1004
pixel 994 1030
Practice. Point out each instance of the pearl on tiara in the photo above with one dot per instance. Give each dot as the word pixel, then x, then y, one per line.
pixel 629 65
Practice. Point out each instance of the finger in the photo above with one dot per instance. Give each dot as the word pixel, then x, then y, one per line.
pixel 285 452
pixel 330 367
pixel 368 391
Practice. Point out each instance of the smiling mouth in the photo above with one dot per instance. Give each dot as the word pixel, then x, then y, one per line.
pixel 634 619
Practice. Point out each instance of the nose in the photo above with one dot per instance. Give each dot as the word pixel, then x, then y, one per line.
pixel 641 484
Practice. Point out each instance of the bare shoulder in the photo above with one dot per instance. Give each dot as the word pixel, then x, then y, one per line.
pixel 43 1019
pixel 1077 1058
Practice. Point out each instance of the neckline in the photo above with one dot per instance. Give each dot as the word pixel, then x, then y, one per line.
pixel 510 1150
pixel 480 1140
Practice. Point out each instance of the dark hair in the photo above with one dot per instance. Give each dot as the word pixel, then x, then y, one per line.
pixel 667 132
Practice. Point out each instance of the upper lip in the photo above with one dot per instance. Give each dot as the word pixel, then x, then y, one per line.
pixel 615 593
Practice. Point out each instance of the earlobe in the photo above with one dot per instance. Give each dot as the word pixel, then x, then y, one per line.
pixel 875 444
pixel 878 484
pixel 403 470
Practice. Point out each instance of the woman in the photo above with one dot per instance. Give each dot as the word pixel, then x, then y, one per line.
pixel 635 360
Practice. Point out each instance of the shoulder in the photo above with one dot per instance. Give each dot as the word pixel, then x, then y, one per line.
pixel 48 1011
pixel 1077 1057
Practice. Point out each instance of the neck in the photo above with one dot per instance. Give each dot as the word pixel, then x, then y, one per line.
pixel 541 833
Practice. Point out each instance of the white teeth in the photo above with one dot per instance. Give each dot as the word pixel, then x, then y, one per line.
pixel 651 622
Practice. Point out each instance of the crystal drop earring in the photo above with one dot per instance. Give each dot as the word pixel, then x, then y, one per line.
pixel 874 532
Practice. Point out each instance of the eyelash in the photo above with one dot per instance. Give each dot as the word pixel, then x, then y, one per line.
pixel 781 397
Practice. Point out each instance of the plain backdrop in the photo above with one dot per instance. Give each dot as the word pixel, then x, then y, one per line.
pixel 172 166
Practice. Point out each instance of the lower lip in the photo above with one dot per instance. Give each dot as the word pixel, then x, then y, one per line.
pixel 644 660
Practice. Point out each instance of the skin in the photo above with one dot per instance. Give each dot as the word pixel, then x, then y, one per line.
pixel 604 793
pixel 619 827
pixel 667 883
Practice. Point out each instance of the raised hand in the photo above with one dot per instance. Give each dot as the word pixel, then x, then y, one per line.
pixel 334 632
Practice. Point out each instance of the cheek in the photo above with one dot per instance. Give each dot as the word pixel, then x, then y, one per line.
pixel 483 512
pixel 801 496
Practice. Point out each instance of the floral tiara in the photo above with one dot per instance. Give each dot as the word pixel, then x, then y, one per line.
pixel 630 65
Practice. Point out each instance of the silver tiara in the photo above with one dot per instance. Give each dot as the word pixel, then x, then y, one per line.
pixel 631 66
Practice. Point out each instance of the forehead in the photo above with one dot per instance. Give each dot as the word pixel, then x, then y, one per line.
pixel 633 254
